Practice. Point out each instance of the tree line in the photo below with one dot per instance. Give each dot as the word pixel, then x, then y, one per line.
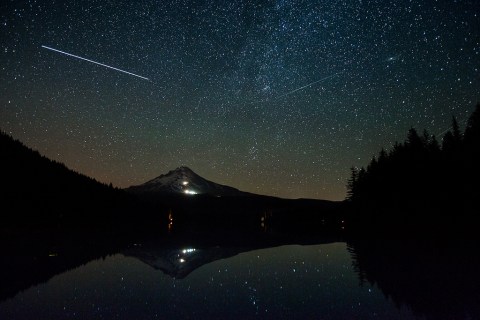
pixel 421 181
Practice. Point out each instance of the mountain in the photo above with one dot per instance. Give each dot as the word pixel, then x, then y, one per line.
pixel 196 201
pixel 184 181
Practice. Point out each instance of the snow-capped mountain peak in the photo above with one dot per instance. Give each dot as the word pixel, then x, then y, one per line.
pixel 183 180
pixel 180 180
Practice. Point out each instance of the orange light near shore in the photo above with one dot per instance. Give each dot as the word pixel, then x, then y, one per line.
pixel 170 221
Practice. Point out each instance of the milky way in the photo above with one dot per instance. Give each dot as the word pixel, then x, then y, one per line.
pixel 235 90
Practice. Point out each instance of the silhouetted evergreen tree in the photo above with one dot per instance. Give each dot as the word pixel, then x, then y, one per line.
pixel 448 142
pixel 352 181
pixel 413 139
pixel 472 159
pixel 433 145
pixel 472 131
pixel 457 135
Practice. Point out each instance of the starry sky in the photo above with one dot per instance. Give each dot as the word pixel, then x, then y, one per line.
pixel 273 97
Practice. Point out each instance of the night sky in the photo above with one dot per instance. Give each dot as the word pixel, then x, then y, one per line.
pixel 273 97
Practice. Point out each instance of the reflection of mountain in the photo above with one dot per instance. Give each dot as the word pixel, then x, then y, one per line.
pixel 437 280
pixel 29 261
pixel 178 261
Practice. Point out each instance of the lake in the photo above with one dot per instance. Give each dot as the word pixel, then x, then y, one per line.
pixel 159 279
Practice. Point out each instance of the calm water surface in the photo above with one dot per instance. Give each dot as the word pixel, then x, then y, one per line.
pixel 286 282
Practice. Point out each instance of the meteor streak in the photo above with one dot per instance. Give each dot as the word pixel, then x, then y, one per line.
pixel 295 90
pixel 307 85
pixel 100 64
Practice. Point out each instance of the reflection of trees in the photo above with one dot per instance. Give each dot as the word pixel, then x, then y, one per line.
pixel 436 280
pixel 29 261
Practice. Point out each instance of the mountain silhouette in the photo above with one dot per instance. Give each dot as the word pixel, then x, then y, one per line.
pixel 201 203
pixel 183 180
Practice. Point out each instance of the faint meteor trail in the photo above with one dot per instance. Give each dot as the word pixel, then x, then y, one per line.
pixel 294 90
pixel 100 64
pixel 307 85
pixel 464 122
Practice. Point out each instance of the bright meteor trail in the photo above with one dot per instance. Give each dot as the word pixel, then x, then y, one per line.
pixel 100 64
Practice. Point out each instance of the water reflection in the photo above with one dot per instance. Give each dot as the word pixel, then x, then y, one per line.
pixel 268 274
pixel 437 279
pixel 289 281
pixel 177 260
pixel 170 221
pixel 28 261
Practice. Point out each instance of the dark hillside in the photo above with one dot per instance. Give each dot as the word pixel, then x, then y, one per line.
pixel 40 192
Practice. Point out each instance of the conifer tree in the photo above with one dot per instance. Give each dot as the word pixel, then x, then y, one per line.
pixel 448 142
pixel 457 135
pixel 413 139
pixel 472 131
pixel 352 182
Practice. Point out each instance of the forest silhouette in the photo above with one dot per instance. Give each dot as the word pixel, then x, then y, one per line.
pixel 421 184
